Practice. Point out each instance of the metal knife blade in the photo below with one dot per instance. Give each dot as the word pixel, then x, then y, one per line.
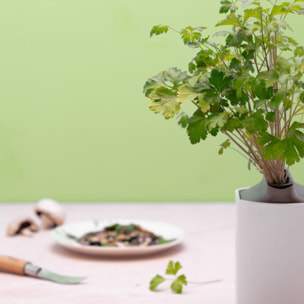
pixel 23 267
pixel 42 273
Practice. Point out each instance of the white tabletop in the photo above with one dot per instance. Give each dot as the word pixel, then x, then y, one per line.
pixel 207 253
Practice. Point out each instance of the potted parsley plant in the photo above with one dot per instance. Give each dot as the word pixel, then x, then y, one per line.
pixel 249 87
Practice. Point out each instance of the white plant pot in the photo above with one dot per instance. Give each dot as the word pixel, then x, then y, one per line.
pixel 269 252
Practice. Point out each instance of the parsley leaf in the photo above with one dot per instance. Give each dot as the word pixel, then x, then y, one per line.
pixel 177 284
pixel 156 281
pixel 164 100
pixel 183 120
pixel 186 94
pixel 197 127
pixel 159 29
pixel 173 268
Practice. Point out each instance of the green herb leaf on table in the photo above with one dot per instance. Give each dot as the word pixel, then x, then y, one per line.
pixel 156 281
pixel 177 284
pixel 173 268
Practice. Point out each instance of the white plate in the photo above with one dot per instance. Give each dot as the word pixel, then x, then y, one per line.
pixel 78 229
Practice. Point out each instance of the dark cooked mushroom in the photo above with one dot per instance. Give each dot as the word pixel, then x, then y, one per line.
pixel 91 239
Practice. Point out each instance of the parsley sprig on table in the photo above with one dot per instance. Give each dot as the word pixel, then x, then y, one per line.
pixel 178 282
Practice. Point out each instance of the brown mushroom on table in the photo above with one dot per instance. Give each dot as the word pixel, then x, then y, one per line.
pixel 50 212
pixel 24 226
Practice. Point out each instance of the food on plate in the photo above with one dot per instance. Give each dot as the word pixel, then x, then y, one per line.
pixel 121 236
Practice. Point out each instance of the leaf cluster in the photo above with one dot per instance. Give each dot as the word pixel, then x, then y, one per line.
pixel 178 281
pixel 248 87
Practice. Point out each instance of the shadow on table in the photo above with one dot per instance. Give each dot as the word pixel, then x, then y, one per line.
pixel 57 249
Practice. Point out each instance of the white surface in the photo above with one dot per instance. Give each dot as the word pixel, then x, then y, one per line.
pixel 79 229
pixel 270 253
pixel 207 253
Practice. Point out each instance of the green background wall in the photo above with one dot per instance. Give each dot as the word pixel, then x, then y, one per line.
pixel 74 124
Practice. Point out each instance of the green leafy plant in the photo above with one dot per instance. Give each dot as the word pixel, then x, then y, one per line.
pixel 177 282
pixel 246 84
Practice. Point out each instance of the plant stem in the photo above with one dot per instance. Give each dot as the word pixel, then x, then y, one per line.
pixel 263 42
pixel 205 282
pixel 239 145
pixel 248 144
pixel 196 104
pixel 200 283
pixel 243 155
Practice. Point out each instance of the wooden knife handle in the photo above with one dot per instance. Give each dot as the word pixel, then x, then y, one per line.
pixel 13 265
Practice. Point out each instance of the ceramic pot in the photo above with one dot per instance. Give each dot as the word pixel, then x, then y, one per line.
pixel 269 252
